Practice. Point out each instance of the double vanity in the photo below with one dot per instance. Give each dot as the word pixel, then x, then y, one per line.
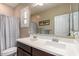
pixel 40 45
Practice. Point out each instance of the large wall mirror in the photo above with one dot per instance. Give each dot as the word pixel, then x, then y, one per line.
pixel 60 19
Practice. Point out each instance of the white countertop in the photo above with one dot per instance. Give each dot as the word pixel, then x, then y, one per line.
pixel 70 49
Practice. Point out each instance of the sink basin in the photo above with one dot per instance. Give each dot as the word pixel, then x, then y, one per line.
pixel 55 44
pixel 33 39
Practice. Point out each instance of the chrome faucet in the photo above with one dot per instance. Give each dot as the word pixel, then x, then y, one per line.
pixel 55 40
pixel 34 36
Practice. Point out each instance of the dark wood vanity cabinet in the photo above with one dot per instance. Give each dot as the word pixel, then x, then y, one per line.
pixel 25 50
pixel 21 52
pixel 36 52
pixel 24 47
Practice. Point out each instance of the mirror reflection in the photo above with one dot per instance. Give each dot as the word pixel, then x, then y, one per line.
pixel 60 19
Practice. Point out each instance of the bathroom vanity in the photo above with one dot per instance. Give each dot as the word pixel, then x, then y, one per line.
pixel 25 50
pixel 44 46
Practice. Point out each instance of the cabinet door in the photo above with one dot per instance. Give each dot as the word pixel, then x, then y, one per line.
pixel 20 52
pixel 24 47
pixel 36 52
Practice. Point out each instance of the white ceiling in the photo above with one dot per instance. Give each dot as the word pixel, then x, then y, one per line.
pixel 37 8
pixel 46 6
pixel 13 5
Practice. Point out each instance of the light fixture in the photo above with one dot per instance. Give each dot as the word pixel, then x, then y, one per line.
pixel 25 21
pixel 25 14
pixel 38 4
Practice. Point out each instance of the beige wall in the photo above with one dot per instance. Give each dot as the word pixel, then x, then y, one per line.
pixel 51 13
pixel 6 10
pixel 18 8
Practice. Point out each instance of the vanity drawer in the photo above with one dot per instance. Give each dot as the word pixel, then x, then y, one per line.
pixel 21 52
pixel 36 52
pixel 24 47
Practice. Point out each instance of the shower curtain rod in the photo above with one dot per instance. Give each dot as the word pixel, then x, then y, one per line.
pixel 8 15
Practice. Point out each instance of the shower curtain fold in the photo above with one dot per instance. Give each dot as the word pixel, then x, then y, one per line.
pixel 9 31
